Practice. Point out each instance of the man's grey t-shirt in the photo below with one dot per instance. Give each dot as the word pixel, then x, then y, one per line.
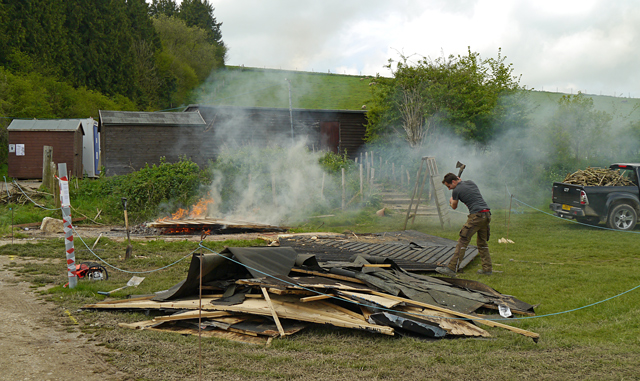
pixel 467 191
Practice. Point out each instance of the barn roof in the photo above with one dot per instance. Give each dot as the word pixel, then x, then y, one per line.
pixel 194 107
pixel 46 125
pixel 151 118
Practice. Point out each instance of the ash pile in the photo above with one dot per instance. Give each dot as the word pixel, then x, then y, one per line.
pixel 256 294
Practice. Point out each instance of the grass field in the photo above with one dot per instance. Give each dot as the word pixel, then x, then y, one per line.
pixel 569 270
pixel 253 87
pixel 256 87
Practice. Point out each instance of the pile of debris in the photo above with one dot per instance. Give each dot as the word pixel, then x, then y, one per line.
pixel 597 177
pixel 257 293
pixel 13 194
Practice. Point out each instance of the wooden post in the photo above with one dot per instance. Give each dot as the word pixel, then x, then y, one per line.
pixel 344 190
pixel 273 311
pixel 322 187
pixel 47 159
pixel 367 164
pixel 56 187
pixel 413 195
pixel 372 162
pixel 361 182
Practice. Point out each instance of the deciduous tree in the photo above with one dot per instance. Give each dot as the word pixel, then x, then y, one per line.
pixel 463 94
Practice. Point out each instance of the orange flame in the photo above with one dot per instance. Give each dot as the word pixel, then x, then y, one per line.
pixel 197 210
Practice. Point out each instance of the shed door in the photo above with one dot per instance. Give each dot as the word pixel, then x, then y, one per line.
pixel 330 136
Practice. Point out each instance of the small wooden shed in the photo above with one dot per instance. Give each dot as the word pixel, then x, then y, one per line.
pixel 338 131
pixel 130 140
pixel 27 139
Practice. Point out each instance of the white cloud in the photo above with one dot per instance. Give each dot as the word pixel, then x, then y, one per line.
pixel 564 44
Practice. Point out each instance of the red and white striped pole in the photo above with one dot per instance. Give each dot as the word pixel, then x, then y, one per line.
pixel 68 230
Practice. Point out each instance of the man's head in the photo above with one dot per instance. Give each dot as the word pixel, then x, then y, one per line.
pixel 450 181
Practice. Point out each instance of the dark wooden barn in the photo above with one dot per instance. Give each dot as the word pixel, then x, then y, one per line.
pixel 27 139
pixel 339 131
pixel 130 140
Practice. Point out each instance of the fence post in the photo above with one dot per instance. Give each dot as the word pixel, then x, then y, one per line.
pixel 47 158
pixel 68 230
pixel 361 184
pixel 344 190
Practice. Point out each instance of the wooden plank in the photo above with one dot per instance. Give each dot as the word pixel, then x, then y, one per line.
pixel 375 299
pixel 273 311
pixel 147 297
pixel 332 276
pixel 490 323
pixel 278 291
pixel 314 298
pixel 448 322
pixel 314 312
pixel 378 265
pixel 344 310
pixel 192 315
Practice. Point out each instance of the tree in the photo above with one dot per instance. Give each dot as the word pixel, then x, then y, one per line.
pixel 199 13
pixel 463 94
pixel 187 56
pixel 163 7
pixel 576 130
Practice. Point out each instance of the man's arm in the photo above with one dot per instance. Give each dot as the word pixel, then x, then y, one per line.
pixel 453 203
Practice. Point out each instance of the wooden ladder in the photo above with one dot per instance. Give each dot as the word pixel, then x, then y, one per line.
pixel 441 203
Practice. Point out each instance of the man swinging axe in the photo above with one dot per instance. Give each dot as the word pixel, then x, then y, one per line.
pixel 478 222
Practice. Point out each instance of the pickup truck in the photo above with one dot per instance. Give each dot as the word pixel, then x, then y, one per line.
pixel 617 206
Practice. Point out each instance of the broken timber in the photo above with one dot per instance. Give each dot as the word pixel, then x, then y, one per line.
pixel 239 299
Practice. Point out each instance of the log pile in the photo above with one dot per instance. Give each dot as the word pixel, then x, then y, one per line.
pixel 253 295
pixel 597 177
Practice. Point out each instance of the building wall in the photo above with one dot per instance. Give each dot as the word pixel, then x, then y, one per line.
pixel 67 148
pixel 130 148
pixel 241 126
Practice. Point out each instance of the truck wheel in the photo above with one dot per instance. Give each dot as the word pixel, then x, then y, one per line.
pixel 622 217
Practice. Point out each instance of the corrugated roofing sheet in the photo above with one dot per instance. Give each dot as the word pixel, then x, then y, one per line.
pixel 151 118
pixel 194 107
pixel 45 125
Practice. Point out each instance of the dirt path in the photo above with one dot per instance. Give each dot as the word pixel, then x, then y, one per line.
pixel 39 342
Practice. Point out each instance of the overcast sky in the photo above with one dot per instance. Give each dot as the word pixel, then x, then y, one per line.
pixel 563 45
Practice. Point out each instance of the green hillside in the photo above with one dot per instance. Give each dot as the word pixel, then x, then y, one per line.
pixel 255 87
pixel 622 109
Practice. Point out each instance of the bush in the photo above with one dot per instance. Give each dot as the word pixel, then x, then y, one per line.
pixel 151 191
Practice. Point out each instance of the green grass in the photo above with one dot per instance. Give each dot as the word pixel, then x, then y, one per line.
pixel 253 87
pixel 555 263
pixel 256 87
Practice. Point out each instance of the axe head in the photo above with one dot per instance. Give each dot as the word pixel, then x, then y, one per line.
pixel 461 166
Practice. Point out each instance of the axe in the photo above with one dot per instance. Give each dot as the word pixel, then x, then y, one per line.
pixel 461 166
